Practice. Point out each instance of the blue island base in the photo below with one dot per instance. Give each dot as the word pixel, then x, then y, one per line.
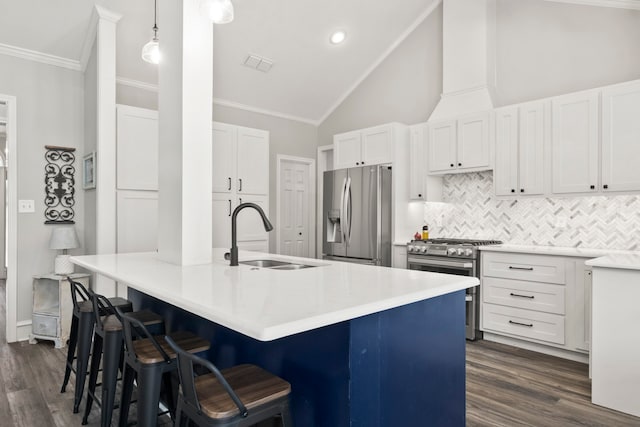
pixel 400 367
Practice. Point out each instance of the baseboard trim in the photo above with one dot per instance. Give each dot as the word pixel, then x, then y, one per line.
pixel 540 348
pixel 23 329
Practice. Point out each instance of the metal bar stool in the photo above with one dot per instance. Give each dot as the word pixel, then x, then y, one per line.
pixel 150 359
pixel 239 396
pixel 107 340
pixel 81 336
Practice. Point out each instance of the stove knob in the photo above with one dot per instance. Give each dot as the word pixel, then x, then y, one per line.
pixel 451 251
pixel 460 251
pixel 423 249
pixel 468 252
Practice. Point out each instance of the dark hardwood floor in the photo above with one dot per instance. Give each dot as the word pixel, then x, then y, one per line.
pixel 506 386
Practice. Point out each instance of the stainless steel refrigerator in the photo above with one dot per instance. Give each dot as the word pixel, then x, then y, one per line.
pixel 357 215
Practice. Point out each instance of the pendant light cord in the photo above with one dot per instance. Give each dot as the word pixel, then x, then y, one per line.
pixel 155 19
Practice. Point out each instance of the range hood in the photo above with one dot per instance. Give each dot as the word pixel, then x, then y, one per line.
pixel 468 58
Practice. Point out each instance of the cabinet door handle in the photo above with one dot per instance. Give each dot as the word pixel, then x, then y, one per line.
pixel 459 164
pixel 593 187
pixel 520 268
pixel 419 195
pixel 229 207
pixel 240 184
pixel 528 325
pixel 513 190
pixel 451 164
pixel 522 190
pixel 605 186
pixel 240 200
pixel 357 163
pixel 522 296
pixel 229 184
pixel 362 163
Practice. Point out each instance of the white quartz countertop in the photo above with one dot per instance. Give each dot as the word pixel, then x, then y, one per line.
pixel 624 261
pixel 267 304
pixel 556 250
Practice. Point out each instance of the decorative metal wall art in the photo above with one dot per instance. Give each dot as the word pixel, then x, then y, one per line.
pixel 59 185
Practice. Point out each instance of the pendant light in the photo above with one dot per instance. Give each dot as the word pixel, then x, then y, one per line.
pixel 220 11
pixel 151 50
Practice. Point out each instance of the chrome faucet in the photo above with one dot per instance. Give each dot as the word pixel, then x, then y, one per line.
pixel 234 245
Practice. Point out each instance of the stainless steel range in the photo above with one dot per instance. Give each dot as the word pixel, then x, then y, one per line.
pixel 452 256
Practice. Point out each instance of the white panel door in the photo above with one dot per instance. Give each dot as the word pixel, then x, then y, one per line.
pixel 531 147
pixel 137 221
pixel 473 141
pixel 253 161
pixel 377 145
pixel 417 148
pixel 506 168
pixel 222 207
pixel 224 157
pixel 137 148
pixel 347 150
pixel 574 140
pixel 621 138
pixel 442 146
pixel 249 222
pixel 295 201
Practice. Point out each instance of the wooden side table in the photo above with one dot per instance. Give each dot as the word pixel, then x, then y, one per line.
pixel 52 307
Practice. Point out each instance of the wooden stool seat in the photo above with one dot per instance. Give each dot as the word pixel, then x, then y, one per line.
pixel 111 323
pixel 87 306
pixel 147 353
pixel 253 385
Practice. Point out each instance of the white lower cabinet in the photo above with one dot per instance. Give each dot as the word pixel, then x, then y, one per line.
pixel 251 233
pixel 542 300
pixel 399 256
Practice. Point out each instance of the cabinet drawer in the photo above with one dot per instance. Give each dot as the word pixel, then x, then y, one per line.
pixel 528 295
pixel 536 268
pixel 524 323
pixel 44 325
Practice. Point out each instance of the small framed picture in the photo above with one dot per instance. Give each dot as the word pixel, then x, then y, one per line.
pixel 89 171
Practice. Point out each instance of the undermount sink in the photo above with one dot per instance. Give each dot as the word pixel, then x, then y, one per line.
pixel 276 265
pixel 265 263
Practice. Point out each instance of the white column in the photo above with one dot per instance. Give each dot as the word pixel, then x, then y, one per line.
pixel 185 114
pixel 106 142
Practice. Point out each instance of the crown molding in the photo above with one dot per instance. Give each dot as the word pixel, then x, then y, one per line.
pixel 107 14
pixel 217 101
pixel 619 4
pixel 225 103
pixel 44 58
pixel 137 84
pixel 380 59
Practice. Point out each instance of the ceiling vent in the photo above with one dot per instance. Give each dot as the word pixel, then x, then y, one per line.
pixel 258 63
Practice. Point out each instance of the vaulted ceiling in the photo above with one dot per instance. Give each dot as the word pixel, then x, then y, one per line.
pixel 309 78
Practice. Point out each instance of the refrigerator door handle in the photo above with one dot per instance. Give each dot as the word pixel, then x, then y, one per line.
pixel 343 220
pixel 349 210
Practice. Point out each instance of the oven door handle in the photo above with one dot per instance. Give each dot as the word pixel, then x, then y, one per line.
pixel 439 263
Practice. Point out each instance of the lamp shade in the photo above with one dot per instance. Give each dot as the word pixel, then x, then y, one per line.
pixel 63 238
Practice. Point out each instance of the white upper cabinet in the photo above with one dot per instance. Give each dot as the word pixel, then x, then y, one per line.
pixel 370 146
pixel 473 142
pixel 442 146
pixel 421 186
pixel 621 137
pixel 224 157
pixel 253 161
pixel 136 148
pixel 460 145
pixel 519 137
pixel 240 160
pixel 574 140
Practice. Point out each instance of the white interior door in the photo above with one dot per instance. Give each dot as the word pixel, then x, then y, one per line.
pixel 295 203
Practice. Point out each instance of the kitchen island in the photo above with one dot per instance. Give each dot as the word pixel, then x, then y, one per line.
pixel 360 345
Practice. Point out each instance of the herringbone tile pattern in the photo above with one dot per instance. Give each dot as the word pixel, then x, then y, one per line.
pixel 472 211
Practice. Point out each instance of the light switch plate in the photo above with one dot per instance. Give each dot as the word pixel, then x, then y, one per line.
pixel 26 206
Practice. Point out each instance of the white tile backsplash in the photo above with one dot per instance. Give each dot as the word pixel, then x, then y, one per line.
pixel 471 210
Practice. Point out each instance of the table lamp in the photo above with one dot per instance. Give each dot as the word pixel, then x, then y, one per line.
pixel 63 238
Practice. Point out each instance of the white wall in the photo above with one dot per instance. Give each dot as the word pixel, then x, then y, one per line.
pixel 49 112
pixel 288 137
pixel 404 88
pixel 547 48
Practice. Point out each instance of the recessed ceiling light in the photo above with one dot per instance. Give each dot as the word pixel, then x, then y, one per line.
pixel 338 37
